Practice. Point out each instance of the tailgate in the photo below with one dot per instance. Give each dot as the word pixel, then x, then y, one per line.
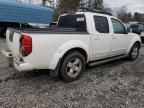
pixel 13 42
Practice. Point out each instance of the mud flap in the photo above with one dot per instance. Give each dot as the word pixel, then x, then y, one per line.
pixel 55 73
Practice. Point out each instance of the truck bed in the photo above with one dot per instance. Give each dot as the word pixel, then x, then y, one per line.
pixel 51 30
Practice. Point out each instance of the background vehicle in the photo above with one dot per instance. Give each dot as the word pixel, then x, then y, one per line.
pixel 15 14
pixel 80 38
pixel 137 28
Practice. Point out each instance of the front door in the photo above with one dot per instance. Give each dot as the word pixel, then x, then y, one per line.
pixel 120 38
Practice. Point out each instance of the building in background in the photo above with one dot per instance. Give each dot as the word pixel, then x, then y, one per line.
pixel 50 3
pixel 37 2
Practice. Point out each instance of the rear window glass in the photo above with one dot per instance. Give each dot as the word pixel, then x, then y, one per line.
pixel 73 21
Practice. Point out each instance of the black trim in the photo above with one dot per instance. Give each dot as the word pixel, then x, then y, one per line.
pixel 50 31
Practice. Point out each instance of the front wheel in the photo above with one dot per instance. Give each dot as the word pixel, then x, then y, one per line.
pixel 72 66
pixel 134 52
pixel 142 39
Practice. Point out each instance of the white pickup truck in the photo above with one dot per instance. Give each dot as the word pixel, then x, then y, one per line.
pixel 79 39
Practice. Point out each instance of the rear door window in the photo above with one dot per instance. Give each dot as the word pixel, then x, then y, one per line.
pixel 101 24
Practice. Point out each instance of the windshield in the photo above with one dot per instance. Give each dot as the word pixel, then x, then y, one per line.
pixel 73 21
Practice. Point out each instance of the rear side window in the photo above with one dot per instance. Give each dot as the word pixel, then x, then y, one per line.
pixel 101 24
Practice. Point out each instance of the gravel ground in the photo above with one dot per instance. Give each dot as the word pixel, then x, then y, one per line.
pixel 118 84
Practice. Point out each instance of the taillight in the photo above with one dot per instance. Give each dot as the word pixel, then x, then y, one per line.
pixel 25 45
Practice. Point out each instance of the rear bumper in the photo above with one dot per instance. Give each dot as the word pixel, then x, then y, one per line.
pixel 20 66
pixel 7 54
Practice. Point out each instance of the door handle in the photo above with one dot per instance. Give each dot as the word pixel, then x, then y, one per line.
pixel 114 38
pixel 97 39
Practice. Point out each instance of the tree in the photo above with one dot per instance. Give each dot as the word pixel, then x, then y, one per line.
pixel 51 2
pixel 107 9
pixel 64 6
pixel 69 4
pixel 95 4
pixel 44 2
pixel 130 16
pixel 98 4
pixel 138 17
pixel 123 14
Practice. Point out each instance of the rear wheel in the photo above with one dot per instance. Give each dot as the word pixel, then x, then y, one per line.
pixel 134 51
pixel 72 66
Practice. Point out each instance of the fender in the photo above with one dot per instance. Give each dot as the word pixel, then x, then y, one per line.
pixel 132 42
pixel 65 48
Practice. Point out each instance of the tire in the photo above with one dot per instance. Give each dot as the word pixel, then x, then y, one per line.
pixel 142 39
pixel 134 52
pixel 72 66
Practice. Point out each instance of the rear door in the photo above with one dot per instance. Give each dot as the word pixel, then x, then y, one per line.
pixel 101 37
pixel 120 38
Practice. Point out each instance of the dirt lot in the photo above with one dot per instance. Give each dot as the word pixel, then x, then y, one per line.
pixel 119 84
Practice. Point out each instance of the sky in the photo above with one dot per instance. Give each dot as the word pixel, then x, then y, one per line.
pixel 132 5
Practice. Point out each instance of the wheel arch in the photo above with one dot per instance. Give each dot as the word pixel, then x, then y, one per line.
pixel 132 42
pixel 67 48
pixel 78 49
